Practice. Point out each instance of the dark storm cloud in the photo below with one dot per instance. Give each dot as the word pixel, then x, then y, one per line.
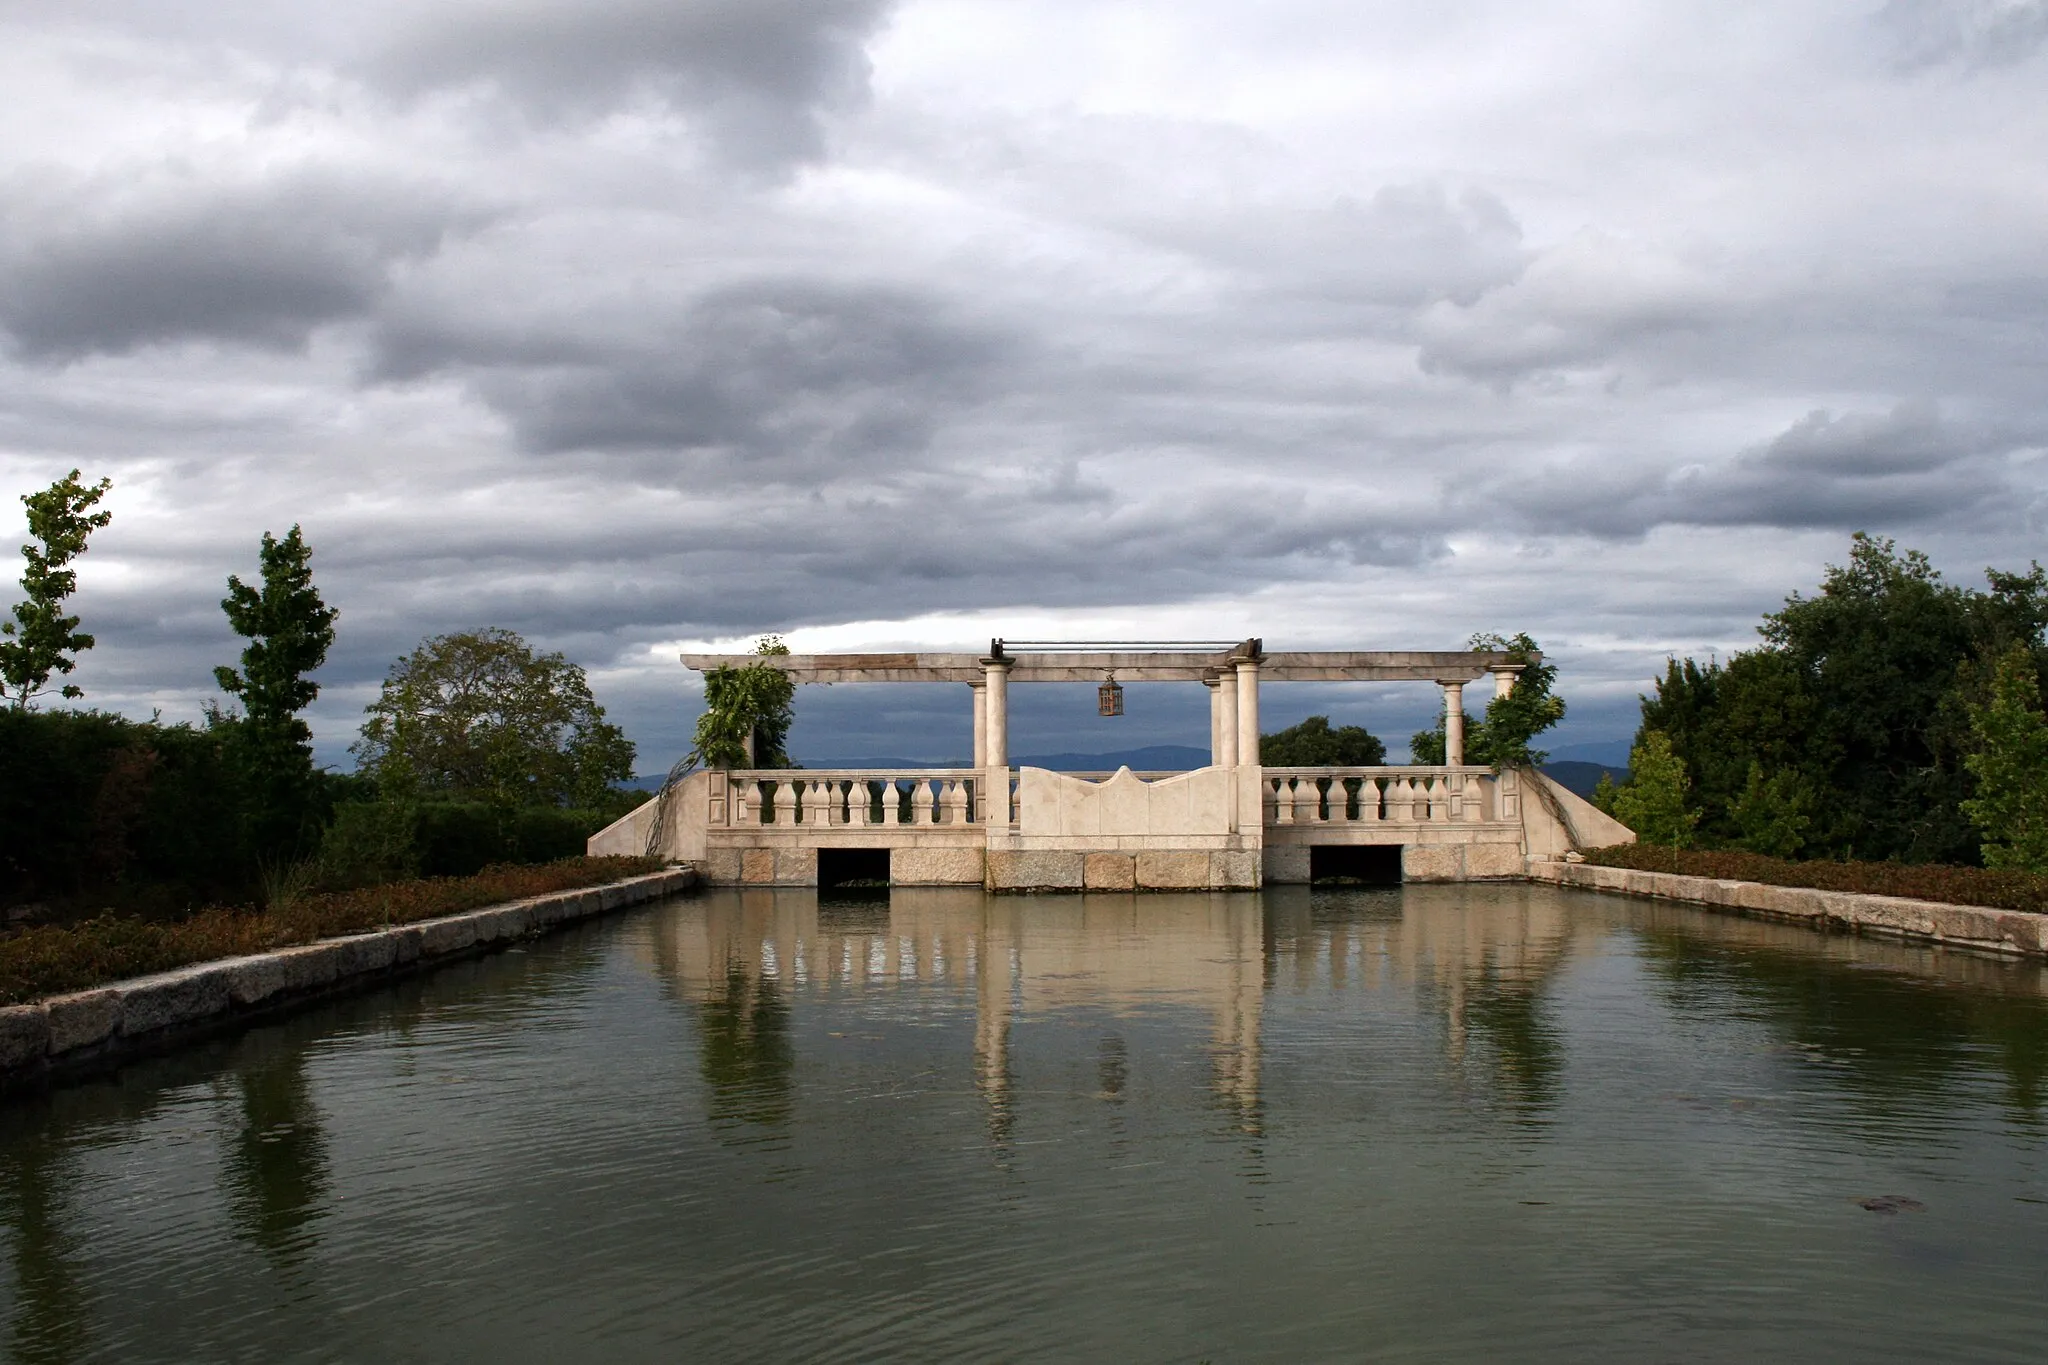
pixel 786 373
pixel 1906 469
pixel 629 322
pixel 105 268
pixel 758 73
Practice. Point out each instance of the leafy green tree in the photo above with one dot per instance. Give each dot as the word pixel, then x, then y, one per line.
pixel 747 713
pixel 1430 748
pixel 1773 813
pixel 2010 763
pixel 1653 800
pixel 41 640
pixel 1503 738
pixel 1315 744
pixel 289 630
pixel 1721 719
pixel 1857 703
pixel 479 715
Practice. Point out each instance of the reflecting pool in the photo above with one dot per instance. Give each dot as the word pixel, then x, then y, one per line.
pixel 1422 1123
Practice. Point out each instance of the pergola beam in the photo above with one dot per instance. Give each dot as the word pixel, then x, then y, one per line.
pixel 1136 666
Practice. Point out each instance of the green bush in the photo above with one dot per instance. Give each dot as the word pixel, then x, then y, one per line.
pixel 1999 889
pixel 98 810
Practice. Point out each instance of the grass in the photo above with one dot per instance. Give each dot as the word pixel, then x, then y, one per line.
pixel 1919 881
pixel 53 959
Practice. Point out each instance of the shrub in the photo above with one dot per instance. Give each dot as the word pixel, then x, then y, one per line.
pixel 2001 890
pixel 52 959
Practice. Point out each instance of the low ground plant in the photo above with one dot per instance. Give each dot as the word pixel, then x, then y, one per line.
pixel 51 959
pixel 1998 889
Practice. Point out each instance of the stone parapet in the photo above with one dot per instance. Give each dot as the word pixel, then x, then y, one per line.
pixel 106 1024
pixel 2012 933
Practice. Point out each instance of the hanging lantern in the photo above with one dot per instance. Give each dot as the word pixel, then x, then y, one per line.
pixel 1109 698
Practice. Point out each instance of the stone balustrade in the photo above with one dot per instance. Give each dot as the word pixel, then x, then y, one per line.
pixel 1396 796
pixel 789 798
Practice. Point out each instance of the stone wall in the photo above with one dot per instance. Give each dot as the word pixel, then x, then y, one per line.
pixel 68 1033
pixel 2009 932
pixel 1014 870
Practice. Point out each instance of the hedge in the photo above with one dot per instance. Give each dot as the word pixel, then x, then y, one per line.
pixel 52 959
pixel 1917 881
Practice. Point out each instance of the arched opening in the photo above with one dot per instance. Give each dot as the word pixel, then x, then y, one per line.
pixel 1354 864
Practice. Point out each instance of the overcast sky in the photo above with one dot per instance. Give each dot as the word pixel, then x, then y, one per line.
pixel 636 325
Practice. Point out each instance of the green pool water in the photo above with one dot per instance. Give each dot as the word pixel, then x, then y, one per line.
pixel 1424 1123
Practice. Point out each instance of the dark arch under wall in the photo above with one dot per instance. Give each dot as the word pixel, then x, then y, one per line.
pixel 843 866
pixel 1370 864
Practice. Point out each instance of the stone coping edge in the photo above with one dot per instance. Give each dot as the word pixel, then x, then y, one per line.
pixel 2009 933
pixel 93 1028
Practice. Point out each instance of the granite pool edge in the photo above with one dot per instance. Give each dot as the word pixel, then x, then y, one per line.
pixel 85 1030
pixel 2008 933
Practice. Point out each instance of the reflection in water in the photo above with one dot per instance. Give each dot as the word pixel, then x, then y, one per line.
pixel 36 1175
pixel 745 1050
pixel 1014 957
pixel 275 1170
pixel 1908 1031
pixel 1454 1122
pixel 1486 964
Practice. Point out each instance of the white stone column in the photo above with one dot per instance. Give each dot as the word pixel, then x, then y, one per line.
pixel 1215 721
pixel 1504 681
pixel 1251 778
pixel 1226 700
pixel 1454 722
pixel 980 693
pixel 996 761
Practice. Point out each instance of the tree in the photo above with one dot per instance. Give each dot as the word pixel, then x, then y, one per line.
pixel 479 715
pixel 1501 738
pixel 747 713
pixel 1855 710
pixel 1652 802
pixel 40 640
pixel 289 630
pixel 1526 711
pixel 2010 763
pixel 1773 813
pixel 1314 744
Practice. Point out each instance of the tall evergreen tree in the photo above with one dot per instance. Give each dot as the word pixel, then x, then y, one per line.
pixel 41 640
pixel 289 630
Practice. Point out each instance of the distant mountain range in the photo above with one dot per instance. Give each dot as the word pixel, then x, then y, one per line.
pixel 1583 777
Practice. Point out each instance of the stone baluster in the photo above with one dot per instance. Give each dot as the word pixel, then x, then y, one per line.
pixel 1308 802
pixel 1401 799
pixel 1439 801
pixel 921 802
pixel 842 801
pixel 956 801
pixel 1280 811
pixel 744 798
pixel 817 803
pixel 1368 801
pixel 892 802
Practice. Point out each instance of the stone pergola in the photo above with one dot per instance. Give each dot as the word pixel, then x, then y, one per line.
pixel 1231 672
pixel 1234 824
